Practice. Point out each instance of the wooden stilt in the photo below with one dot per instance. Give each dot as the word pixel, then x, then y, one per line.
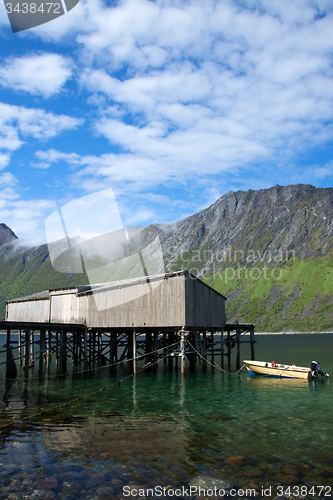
pixel 182 351
pixel 170 359
pixel 94 348
pixel 252 344
pixel 222 349
pixel 238 336
pixel 177 357
pixel 204 349
pixel 7 349
pixel 57 347
pixel 63 351
pixel 49 349
pixel 41 354
pixel 113 351
pixel 229 349
pixel 20 348
pixel 149 346
pixel 212 349
pixel 27 351
pixel 134 351
pixel 32 348
pixel 130 351
pixel 85 348
pixel 155 349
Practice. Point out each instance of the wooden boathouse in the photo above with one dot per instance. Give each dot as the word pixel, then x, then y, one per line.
pixel 126 320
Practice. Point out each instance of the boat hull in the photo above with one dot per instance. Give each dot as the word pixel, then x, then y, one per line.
pixel 277 370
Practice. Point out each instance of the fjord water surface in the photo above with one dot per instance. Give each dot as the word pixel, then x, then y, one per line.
pixel 165 429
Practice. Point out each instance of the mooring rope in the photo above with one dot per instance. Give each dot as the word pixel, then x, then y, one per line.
pixel 93 393
pixel 215 365
pixel 93 369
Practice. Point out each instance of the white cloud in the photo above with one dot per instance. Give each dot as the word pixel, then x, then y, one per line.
pixel 24 217
pixel 43 74
pixel 235 86
pixel 4 160
pixel 19 121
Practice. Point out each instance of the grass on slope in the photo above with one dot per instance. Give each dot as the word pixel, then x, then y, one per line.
pixel 297 295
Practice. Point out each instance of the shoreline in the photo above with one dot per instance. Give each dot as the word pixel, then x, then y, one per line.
pixel 293 333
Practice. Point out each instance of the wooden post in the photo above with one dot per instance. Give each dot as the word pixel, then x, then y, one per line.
pixel 222 349
pixel 134 351
pixel 252 344
pixel 170 359
pixel 7 348
pixel 85 348
pixel 177 357
pixel 49 347
pixel 155 349
pixel 204 350
pixel 20 348
pixel 41 353
pixel 229 349
pixel 99 349
pixel 182 351
pixel 212 337
pixel 76 337
pixel 63 351
pixel 113 351
pixel 27 350
pixel 32 348
pixel 149 346
pixel 57 347
pixel 93 348
pixel 238 337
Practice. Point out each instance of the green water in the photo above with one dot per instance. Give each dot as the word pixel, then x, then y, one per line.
pixel 165 429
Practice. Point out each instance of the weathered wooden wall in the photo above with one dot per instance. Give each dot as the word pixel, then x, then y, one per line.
pixel 159 303
pixel 204 306
pixel 28 310
pixel 65 307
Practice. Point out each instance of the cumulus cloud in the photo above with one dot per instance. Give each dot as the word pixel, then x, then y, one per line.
pixel 229 87
pixel 19 121
pixel 41 74
pixel 24 217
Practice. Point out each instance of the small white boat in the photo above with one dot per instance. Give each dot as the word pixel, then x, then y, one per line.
pixel 277 370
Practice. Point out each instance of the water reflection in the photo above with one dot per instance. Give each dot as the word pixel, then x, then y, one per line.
pixel 164 427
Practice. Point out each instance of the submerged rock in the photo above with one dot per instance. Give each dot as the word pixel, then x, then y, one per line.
pixel 208 482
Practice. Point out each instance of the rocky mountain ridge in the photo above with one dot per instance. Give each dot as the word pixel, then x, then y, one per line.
pixel 262 224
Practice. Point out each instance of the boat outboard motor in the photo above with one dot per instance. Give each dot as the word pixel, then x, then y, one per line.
pixel 315 368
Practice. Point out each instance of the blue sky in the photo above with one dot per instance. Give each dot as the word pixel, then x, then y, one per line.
pixel 170 103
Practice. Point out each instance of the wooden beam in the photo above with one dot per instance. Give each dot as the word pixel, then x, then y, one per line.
pixel 238 347
pixel 252 344
pixel 41 353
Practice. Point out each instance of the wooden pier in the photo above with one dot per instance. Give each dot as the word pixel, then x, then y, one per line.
pixel 173 316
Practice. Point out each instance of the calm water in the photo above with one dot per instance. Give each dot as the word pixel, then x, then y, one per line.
pixel 164 429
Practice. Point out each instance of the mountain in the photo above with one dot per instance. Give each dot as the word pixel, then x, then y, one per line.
pixel 269 251
pixel 6 235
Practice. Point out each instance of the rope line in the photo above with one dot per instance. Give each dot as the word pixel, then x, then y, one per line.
pixel 215 365
pixel 69 403
pixel 47 376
